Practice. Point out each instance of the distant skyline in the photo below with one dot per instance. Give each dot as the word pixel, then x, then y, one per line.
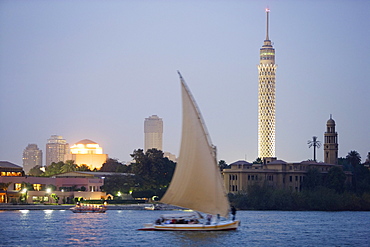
pixel 96 69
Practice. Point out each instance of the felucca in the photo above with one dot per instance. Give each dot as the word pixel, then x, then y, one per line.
pixel 197 182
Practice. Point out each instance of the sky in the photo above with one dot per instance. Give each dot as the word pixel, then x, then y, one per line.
pixel 96 69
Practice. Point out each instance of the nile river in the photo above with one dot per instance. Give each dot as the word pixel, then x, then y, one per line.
pixel 119 228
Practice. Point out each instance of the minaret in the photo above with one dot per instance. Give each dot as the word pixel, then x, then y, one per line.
pixel 331 143
pixel 266 97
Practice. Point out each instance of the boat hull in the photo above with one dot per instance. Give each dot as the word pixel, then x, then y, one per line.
pixel 221 226
pixel 88 210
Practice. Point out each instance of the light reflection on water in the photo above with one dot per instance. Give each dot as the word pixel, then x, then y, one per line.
pixel 119 228
pixel 86 228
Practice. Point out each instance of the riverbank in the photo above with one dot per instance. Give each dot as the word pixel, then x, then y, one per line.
pixel 68 206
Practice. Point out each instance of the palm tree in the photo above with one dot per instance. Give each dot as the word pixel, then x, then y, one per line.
pixel 314 143
pixel 68 166
pixel 354 158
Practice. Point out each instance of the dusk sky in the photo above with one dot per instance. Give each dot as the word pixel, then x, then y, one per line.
pixel 96 69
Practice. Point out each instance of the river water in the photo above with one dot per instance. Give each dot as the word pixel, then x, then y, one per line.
pixel 119 228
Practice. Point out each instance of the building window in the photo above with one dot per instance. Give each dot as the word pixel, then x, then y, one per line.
pixel 296 178
pixel 17 186
pixel 290 178
pixel 37 187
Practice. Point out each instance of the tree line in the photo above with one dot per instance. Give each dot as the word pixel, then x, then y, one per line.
pixel 149 175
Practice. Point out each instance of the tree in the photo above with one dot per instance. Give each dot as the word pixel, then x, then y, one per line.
pixel 68 166
pixel 312 180
pixel 55 197
pixel 258 161
pixel 53 169
pixel 367 158
pixel 83 168
pixel 354 158
pixel 119 183
pixel 314 143
pixel 336 179
pixel 36 171
pixel 4 187
pixel 222 164
pixel 112 165
pixel 152 170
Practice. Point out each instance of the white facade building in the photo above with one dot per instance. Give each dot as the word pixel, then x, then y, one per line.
pixel 153 133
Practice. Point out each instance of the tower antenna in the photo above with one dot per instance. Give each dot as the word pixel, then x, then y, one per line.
pixel 267 23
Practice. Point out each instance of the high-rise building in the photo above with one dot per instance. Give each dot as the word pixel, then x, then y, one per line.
pixel 331 143
pixel 153 131
pixel 266 97
pixel 32 156
pixel 56 148
pixel 87 152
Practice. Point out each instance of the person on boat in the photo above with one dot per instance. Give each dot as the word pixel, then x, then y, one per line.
pixel 209 218
pixel 233 212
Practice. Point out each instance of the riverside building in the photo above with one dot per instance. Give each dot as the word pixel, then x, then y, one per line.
pixel 87 152
pixel 280 174
pixel 68 187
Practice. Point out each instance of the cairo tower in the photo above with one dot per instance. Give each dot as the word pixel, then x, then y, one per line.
pixel 266 97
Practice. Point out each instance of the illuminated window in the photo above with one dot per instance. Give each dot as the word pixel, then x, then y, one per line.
pixel 17 186
pixel 37 187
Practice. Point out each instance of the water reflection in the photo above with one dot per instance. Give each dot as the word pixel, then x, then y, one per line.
pixel 24 214
pixel 200 238
pixel 48 214
pixel 86 229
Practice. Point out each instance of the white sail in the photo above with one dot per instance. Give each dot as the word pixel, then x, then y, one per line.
pixel 197 182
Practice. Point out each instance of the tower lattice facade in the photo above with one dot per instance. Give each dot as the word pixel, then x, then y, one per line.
pixel 266 97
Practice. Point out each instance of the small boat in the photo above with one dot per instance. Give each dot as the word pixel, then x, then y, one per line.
pixel 89 208
pixel 196 184
pixel 153 207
